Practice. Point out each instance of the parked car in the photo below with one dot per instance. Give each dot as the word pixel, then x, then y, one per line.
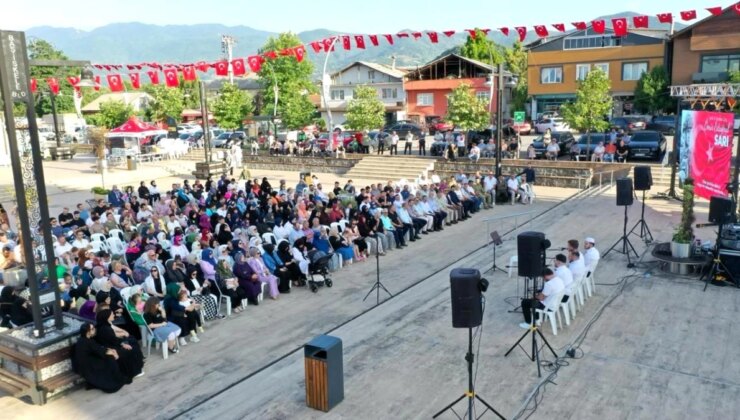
pixel 403 128
pixel 438 124
pixel 665 124
pixel 523 128
pixel 554 124
pixel 588 146
pixel 564 139
pixel 629 124
pixel 222 139
pixel 647 144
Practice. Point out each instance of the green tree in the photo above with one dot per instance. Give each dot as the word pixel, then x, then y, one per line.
pixel 482 49
pixel 293 81
pixel 365 111
pixel 516 62
pixel 652 93
pixel 168 102
pixel 735 76
pixel 466 111
pixel 39 49
pixel 112 114
pixel 593 102
pixel 231 106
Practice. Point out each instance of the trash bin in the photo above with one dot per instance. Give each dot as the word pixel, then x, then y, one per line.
pixel 131 163
pixel 324 372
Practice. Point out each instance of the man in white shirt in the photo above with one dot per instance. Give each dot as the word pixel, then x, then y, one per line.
pixel 553 150
pixel 512 185
pixel 394 143
pixel 62 246
pixel 591 255
pixel 599 151
pixel 474 153
pixel 461 145
pixel 545 299
pixel 576 265
pixel 144 213
pixel 489 186
pixel 564 273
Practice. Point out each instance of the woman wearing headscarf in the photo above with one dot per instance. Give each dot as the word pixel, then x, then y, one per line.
pixel 223 254
pixel 285 254
pixel 277 268
pixel 97 364
pixel 263 274
pixel 14 308
pixel 248 279
pixel 143 191
pixel 179 247
pixel 175 272
pixel 130 360
pixel 155 285
pixel 208 264
pixel 341 245
pixel 201 293
pixel 185 317
pixel 229 285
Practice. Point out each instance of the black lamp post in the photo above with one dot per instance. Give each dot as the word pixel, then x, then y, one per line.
pixel 52 98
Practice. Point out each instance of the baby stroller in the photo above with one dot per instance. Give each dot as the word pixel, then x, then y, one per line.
pixel 318 266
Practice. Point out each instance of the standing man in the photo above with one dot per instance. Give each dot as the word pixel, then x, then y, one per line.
pixel 409 142
pixel 422 144
pixel 381 142
pixel 545 299
pixel 461 145
pixel 394 143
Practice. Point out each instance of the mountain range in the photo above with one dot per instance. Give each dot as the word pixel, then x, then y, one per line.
pixel 124 43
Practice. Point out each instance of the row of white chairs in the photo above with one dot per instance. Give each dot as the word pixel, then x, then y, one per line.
pixel 583 288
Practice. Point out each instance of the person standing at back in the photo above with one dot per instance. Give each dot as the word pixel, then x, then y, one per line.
pixel 394 143
pixel 461 145
pixel 409 142
pixel 422 144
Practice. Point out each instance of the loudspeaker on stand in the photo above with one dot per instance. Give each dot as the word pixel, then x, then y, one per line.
pixel 720 210
pixel 466 287
pixel 625 193
pixel 643 178
pixel 530 247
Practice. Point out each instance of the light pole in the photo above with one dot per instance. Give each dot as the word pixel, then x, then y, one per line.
pixel 326 84
pixel 52 98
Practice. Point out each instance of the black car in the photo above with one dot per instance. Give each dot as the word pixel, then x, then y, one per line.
pixel 403 128
pixel 665 124
pixel 587 146
pixel 564 139
pixel 647 144
pixel 628 124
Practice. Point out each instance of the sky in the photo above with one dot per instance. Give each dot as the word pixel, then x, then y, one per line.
pixel 352 16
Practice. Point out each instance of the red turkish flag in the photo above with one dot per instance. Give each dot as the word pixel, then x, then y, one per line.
pixel 238 66
pixel 715 11
pixel 317 47
pixel 53 83
pixel 299 52
pixel 222 68
pixel 360 41
pixel 286 52
pixel 416 35
pixel 641 21
pixel 270 54
pixel 255 63
pixel 135 80
pixel 620 26
pixel 449 33
pixel 73 80
pixel 665 18
pixel 541 31
pixel 328 44
pixel 736 7
pixel 580 25
pixel 97 83
pixel 202 66
pixel 389 37
pixel 688 15
pixel 373 40
pixel 34 86
pixel 433 37
pixel 170 77
pixel 471 32
pixel 522 31
pixel 504 31
pixel 188 73
pixel 115 82
pixel 402 35
pixel 346 43
pixel 559 26
pixel 599 26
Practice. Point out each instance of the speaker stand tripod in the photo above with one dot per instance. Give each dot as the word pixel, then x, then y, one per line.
pixel 470 393
pixel 627 247
pixel 645 233
pixel 717 265
pixel 378 285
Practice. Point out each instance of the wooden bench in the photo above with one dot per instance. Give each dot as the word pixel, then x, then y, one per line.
pixel 15 385
pixel 60 381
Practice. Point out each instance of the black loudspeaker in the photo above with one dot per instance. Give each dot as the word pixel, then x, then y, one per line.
pixel 530 247
pixel 465 290
pixel 720 210
pixel 625 195
pixel 643 178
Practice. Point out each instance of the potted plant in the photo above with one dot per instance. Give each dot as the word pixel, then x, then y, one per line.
pixel 684 234
pixel 100 192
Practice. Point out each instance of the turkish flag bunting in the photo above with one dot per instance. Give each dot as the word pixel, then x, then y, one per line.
pixel 285 52
pixel 541 31
pixel 238 67
pixel 665 17
pixel 433 37
pixel 620 26
pixel 599 25
pixel 73 80
pixel 317 47
pixel 328 44
pixel 107 67
pixel 389 37
pixel 402 35
pixel 188 73
pixel 416 35
pixel 34 86
pixel 373 40
pixel 472 33
pixel 202 66
pixel 222 68
pixel 360 41
pixel 449 33
pixel 255 62
pixel 580 25
pixel 688 15
pixel 98 66
pixel 504 31
pixel 97 83
pixel 299 52
pixel 345 43
pixel 130 67
pixel 736 7
pixel 715 11
pixel 170 77
pixel 115 82
pixel 641 21
pixel 135 80
pixel 522 31
pixel 270 54
pixel 559 26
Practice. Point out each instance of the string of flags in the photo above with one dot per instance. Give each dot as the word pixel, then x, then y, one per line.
pixel 241 65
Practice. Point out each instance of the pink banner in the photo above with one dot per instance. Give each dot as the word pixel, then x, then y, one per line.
pixel 711 151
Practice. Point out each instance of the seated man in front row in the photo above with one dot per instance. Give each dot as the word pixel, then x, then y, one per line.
pixel 545 299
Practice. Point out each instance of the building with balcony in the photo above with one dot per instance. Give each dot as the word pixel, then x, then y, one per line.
pixel 557 64
pixel 387 80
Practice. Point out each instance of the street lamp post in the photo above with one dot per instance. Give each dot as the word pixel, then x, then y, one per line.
pixel 326 84
pixel 499 120
pixel 52 98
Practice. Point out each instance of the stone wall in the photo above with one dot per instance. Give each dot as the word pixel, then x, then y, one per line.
pixel 297 164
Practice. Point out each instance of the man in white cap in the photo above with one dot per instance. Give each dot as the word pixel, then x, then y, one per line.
pixel 591 254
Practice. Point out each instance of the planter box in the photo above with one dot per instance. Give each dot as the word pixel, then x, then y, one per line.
pixel 680 250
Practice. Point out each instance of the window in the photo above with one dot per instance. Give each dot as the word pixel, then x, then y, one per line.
pixel 720 63
pixel 483 96
pixel 337 94
pixel 598 41
pixel 550 75
pixel 633 71
pixel 424 99
pixel 371 75
pixel 389 93
pixel 603 67
pixel 582 71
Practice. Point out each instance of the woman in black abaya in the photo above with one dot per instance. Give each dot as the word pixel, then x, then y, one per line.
pixel 96 363
pixel 130 359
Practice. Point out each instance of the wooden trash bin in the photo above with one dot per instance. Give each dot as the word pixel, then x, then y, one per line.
pixel 324 372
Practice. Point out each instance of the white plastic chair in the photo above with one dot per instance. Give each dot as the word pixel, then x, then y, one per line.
pixel 552 313
pixel 269 238
pixel 589 282
pixel 343 223
pixel 436 179
pixel 576 298
pixel 98 246
pixel 225 299
pixel 97 237
pixel 513 263
pixel 117 233
pixel 337 226
pixel 115 246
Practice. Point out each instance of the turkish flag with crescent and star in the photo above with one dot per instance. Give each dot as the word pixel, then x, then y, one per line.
pixel 153 76
pixel 345 43
pixel 522 31
pixel 73 80
pixel 255 63
pixel 559 26
pixel 541 31
pixel 299 52
pixel 238 66
pixel 433 37
pixel 389 38
pixel 188 73
pixel 202 66
pixel 641 21
pixel 620 26
pixel 53 83
pixel 665 18
pixel 317 47
pixel 170 77
pixel 580 25
pixel 504 30
pixel 97 83
pixel 115 82
pixel 222 68
pixel 360 41
pixel 135 80
pixel 373 40
pixel 688 15
pixel 599 26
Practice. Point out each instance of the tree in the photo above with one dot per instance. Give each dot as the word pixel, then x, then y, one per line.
pixel 480 48
pixel 112 114
pixel 652 92
pixel 293 81
pixel 365 111
pixel 593 102
pixel 168 102
pixel 39 49
pixel 466 111
pixel 735 76
pixel 231 106
pixel 516 62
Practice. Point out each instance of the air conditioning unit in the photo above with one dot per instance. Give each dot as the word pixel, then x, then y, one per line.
pixel 710 77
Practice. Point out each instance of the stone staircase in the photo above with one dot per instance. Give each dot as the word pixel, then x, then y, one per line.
pixel 661 175
pixel 382 168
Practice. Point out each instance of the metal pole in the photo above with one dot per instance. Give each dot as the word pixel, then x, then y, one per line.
pixel 675 156
pixel 54 117
pixel 325 88
pixel 499 121
pixel 204 116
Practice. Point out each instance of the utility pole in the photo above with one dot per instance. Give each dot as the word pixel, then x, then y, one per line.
pixel 227 48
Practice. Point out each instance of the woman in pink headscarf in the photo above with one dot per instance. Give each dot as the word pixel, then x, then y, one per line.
pixel 301 211
pixel 179 248
pixel 263 274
